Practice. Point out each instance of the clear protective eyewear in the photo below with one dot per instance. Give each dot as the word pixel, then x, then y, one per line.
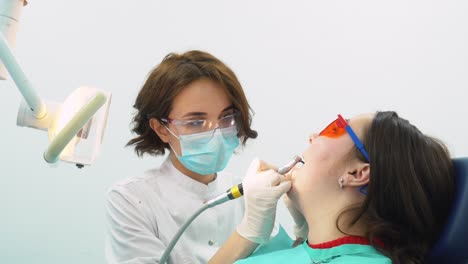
pixel 197 126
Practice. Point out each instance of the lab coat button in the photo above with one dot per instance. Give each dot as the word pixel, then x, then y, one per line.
pixel 210 242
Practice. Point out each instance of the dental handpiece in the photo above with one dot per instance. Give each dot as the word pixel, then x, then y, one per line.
pixel 286 168
pixel 238 190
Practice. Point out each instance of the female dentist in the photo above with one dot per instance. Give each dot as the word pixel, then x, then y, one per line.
pixel 192 105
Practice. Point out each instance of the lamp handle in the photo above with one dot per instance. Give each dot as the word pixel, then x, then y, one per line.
pixel 65 135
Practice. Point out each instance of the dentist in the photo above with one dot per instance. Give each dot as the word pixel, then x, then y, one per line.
pixel 193 106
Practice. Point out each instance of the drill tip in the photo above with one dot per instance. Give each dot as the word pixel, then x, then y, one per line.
pixel 298 159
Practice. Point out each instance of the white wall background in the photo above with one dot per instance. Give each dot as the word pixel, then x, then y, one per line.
pixel 300 62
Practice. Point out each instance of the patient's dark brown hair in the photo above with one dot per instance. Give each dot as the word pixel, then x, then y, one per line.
pixel 410 190
pixel 167 80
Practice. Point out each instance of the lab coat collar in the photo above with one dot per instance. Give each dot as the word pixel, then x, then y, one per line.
pixel 182 180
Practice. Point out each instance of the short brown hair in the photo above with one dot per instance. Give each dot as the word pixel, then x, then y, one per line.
pixel 167 80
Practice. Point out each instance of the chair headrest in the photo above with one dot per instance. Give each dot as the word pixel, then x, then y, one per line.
pixel 452 245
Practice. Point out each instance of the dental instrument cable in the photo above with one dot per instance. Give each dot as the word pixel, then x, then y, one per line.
pixel 231 194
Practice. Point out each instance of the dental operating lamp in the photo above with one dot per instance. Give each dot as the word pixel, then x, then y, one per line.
pixel 76 126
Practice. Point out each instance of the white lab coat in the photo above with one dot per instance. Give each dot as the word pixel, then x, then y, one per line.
pixel 145 212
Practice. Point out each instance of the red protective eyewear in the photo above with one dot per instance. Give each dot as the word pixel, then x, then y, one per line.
pixel 335 129
pixel 340 127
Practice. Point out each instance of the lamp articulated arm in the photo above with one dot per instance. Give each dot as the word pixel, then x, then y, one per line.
pixel 76 126
pixel 30 95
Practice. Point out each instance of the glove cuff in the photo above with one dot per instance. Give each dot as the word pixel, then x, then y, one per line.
pixel 249 233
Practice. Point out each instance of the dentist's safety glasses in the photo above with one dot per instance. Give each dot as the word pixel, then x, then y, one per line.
pixel 225 124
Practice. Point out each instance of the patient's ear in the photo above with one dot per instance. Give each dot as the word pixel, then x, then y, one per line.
pixel 159 129
pixel 357 175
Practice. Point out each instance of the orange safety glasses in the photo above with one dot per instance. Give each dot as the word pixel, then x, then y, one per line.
pixel 340 127
pixel 335 129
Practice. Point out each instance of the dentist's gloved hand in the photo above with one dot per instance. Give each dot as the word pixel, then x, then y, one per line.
pixel 301 229
pixel 263 187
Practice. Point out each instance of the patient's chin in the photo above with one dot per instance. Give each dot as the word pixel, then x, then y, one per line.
pixel 292 193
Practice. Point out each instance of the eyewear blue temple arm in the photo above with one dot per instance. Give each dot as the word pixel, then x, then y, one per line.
pixel 361 148
pixel 358 143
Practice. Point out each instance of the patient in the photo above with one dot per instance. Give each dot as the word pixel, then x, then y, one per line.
pixel 380 201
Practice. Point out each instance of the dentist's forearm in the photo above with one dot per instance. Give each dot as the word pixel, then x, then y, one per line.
pixel 235 248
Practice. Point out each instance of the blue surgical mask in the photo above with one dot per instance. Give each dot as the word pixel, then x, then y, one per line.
pixel 207 152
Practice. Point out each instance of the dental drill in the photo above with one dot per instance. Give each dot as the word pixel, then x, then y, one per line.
pixel 231 194
pixel 238 191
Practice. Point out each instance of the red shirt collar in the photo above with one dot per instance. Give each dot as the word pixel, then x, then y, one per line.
pixel 341 241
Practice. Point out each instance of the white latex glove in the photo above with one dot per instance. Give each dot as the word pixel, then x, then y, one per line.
pixel 263 188
pixel 301 229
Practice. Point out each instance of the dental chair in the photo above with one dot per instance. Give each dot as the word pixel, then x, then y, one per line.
pixel 452 245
